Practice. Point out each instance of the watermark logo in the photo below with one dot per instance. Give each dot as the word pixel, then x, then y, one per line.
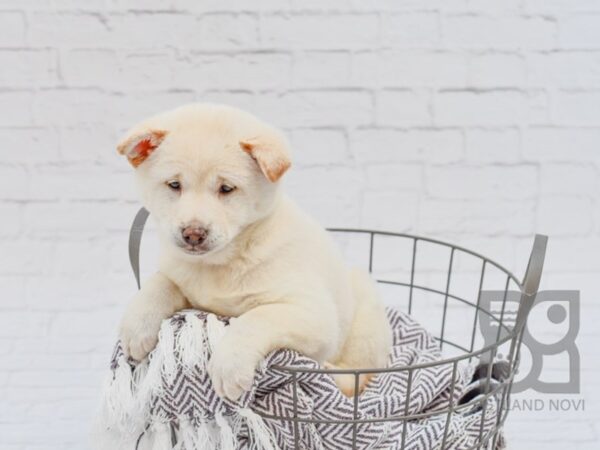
pixel 548 339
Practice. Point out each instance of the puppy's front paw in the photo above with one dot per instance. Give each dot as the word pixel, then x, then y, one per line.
pixel 231 370
pixel 139 336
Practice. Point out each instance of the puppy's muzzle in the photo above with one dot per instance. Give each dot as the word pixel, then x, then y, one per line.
pixel 194 235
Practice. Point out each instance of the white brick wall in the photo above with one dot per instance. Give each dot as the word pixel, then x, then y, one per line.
pixel 476 121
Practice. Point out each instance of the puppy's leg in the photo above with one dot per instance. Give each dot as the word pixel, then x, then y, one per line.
pixel 158 299
pixel 369 339
pixel 255 333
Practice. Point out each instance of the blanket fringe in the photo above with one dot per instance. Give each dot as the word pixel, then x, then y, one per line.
pixel 206 437
pixel 190 346
pixel 161 436
pixel 196 436
pixel 260 436
pixel 118 393
pixel 215 329
pixel 227 435
pixel 121 408
pixel 187 436
pixel 166 348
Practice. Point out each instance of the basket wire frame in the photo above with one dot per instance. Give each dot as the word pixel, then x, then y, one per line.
pixel 512 337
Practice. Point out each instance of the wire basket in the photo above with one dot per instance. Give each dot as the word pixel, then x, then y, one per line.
pixel 437 280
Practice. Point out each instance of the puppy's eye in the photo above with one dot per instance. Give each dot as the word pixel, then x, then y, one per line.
pixel 226 189
pixel 174 185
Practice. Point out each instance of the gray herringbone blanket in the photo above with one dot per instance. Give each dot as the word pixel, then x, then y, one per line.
pixel 168 402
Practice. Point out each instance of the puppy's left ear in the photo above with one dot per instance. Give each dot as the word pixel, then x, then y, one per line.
pixel 139 145
pixel 271 154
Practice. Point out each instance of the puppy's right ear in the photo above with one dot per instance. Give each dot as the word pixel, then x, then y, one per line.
pixel 137 146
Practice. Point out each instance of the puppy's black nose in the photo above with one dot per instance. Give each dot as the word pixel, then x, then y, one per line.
pixel 194 235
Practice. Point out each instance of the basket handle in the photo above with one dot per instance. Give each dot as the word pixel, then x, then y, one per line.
pixel 135 239
pixel 531 281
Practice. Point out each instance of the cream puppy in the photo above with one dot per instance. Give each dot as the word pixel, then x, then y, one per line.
pixel 233 244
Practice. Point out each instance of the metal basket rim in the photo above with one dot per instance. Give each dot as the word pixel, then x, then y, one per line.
pixel 416 237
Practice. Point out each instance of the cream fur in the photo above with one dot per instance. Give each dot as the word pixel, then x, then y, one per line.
pixel 264 261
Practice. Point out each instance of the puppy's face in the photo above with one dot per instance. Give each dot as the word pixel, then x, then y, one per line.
pixel 206 174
